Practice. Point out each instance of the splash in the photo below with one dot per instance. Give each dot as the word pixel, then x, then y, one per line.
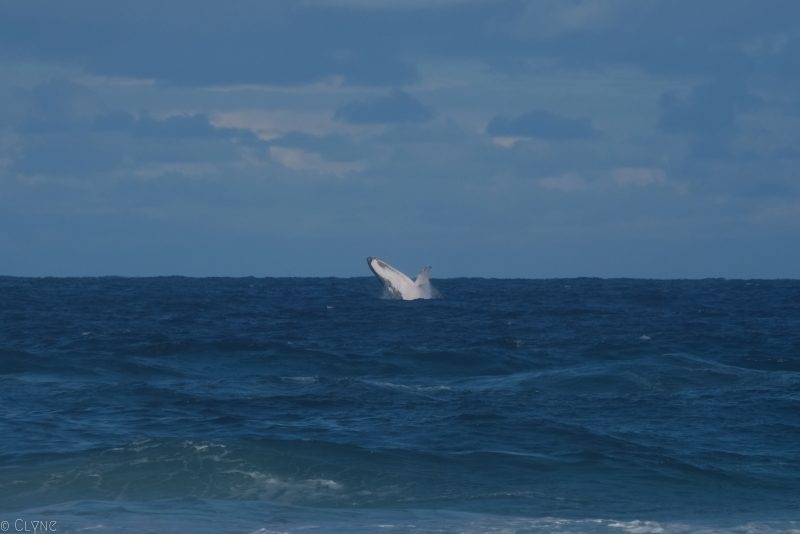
pixel 400 286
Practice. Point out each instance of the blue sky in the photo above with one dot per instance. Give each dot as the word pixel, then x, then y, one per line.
pixel 498 138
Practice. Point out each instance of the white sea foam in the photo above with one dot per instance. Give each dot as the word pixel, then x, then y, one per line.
pixel 638 527
pixel 267 486
pixel 257 517
pixel 413 388
pixel 300 379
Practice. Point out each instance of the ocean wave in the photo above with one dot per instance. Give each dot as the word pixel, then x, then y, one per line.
pixel 320 474
pixel 212 516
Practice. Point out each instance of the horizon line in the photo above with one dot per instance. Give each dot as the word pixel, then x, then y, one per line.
pixel 326 277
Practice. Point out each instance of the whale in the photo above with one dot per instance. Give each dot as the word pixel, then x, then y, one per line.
pixel 398 285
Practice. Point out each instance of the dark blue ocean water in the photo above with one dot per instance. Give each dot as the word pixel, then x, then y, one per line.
pixel 284 405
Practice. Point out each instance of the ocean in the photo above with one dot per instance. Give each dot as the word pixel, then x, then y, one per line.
pixel 265 405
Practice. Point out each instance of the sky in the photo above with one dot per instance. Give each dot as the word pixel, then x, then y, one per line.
pixel 490 138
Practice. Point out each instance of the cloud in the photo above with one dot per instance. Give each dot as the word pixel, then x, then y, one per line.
pixel 567 182
pixel 551 18
pixel 638 176
pixel 64 128
pixel 54 105
pixel 709 108
pixel 333 147
pixel 621 177
pixel 708 115
pixel 395 107
pixel 189 126
pixel 258 123
pixel 541 124
pixel 304 161
pixel 382 43
pixel 272 122
pixel 203 43
pixel 96 153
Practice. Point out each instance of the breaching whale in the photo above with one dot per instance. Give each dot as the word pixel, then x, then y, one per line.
pixel 398 285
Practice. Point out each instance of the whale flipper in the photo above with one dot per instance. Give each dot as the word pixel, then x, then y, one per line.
pixel 397 284
pixel 423 275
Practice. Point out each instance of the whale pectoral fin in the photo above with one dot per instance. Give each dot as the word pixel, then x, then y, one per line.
pixel 422 277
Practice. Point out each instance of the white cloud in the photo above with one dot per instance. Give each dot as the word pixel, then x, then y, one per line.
pixel 269 124
pixel 506 142
pixel 303 161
